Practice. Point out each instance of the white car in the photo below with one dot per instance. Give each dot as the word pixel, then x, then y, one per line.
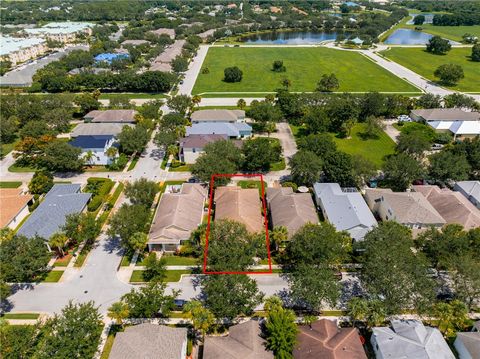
pixel 404 118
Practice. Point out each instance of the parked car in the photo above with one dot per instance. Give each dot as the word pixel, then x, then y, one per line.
pixel 437 146
pixel 404 118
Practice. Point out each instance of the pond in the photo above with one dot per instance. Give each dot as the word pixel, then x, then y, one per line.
pixel 289 37
pixel 408 37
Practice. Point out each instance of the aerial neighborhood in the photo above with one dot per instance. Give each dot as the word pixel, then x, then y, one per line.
pixel 240 179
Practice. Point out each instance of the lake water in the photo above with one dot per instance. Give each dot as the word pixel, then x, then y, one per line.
pixel 289 37
pixel 408 37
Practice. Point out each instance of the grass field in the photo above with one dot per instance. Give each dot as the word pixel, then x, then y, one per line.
pixel 53 276
pixel 21 316
pixel 152 96
pixel 424 63
pixel 304 65
pixel 180 261
pixel 372 149
pixel 13 184
pixel 454 33
pixel 172 275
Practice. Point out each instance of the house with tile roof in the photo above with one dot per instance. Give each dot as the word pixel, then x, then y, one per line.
pixel 409 339
pixel 49 217
pixel 150 341
pixel 177 215
pixel 232 130
pixel 290 210
pixel 191 147
pixel 345 209
pixel 452 206
pixel 230 116
pixel 95 148
pixel 111 116
pixel 470 189
pixel 241 205
pixel 244 341
pixel 324 339
pixel 461 124
pixel 14 207
pixel 408 208
pixel 467 344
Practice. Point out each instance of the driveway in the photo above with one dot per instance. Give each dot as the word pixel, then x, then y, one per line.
pixel 391 131
pixel 287 140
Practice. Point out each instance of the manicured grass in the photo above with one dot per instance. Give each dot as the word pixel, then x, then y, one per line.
pixel 454 33
pixel 6 148
pixel 19 169
pixel 140 95
pixel 63 262
pixel 180 261
pixel 425 64
pixel 184 168
pixel 372 149
pixel 172 276
pixel 114 329
pixel 278 166
pixel 235 95
pixel 253 184
pixel 133 163
pixel 53 276
pixel 20 316
pixel 10 184
pixel 304 68
pixel 169 183
pixel 126 260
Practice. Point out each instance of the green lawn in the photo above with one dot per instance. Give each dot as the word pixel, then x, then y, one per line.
pixel 184 168
pixel 454 33
pixel 373 149
pixel 6 148
pixel 19 169
pixel 180 261
pixel 253 184
pixel 153 96
pixel 278 166
pixel 53 276
pixel 172 276
pixel 20 316
pixel 14 184
pixel 425 63
pixel 304 68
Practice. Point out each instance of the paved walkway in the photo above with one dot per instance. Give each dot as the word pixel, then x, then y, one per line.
pixel 192 73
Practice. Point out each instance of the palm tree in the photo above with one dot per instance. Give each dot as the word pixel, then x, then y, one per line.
pixel 88 157
pixel 286 83
pixel 58 240
pixel 376 313
pixel 118 311
pixel 271 303
pixel 241 104
pixel 172 150
pixel 196 100
pixel 201 317
pixel 279 237
pixel 111 152
pixel 357 309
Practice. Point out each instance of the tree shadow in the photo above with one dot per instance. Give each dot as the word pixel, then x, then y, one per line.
pixel 350 288
pixel 112 243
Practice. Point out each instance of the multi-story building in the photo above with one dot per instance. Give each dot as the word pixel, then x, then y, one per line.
pixel 18 50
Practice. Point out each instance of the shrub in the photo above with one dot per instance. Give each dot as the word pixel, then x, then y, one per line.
pixel 290 184
pixel 177 163
pixel 119 163
pixel 233 74
pixel 94 203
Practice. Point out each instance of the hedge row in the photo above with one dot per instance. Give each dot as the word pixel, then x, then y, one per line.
pixel 100 188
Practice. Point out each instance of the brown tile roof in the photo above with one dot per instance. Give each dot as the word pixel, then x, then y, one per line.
pixel 149 341
pixel 169 53
pixel 164 31
pixel 291 210
pixel 119 116
pixel 408 207
pixel 12 202
pixel 200 141
pixel 241 205
pixel 243 342
pixel 452 206
pixel 326 341
pixel 217 115
pixel 178 214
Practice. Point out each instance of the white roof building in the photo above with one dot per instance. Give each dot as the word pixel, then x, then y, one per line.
pixel 409 339
pixel 53 28
pixel 345 209
pixel 471 190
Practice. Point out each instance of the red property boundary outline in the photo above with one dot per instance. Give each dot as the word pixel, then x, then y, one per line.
pixel 264 206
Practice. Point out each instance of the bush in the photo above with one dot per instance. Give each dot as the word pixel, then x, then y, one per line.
pixel 100 188
pixel 232 74
pixel 290 184
pixel 177 163
pixel 205 70
pixel 119 163
pixel 94 203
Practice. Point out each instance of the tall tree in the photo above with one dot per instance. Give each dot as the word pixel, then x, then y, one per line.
pixel 141 192
pixel 306 167
pixel 281 331
pixel 118 311
pixel 75 333
pixel 328 83
pixel 438 45
pixel 180 104
pixel 150 301
pixel 446 165
pixel 61 156
pixel 128 220
pixel 202 318
pixel 449 74
pixel 133 139
pixel 401 170
pixel 228 296
pixel 392 272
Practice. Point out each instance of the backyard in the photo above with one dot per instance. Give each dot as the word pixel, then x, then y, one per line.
pixel 300 63
pixel 425 63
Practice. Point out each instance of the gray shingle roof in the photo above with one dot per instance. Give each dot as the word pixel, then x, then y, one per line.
pixel 200 141
pixel 118 116
pixel 470 341
pixel 49 217
pixel 345 210
pixel 410 339
pixel 222 128
pixel 149 341
pixel 446 114
pixel 470 189
pixel 90 129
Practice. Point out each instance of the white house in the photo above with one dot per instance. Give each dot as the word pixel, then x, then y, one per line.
pixel 97 146
pixel 345 209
